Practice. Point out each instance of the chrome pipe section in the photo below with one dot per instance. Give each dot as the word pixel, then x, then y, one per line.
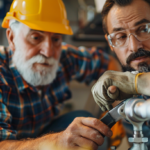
pixel 142 109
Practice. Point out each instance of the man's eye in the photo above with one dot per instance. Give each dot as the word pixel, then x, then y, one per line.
pixel 120 37
pixel 35 37
pixel 56 39
pixel 144 29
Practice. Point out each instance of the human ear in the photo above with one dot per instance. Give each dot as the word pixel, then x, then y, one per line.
pixel 108 43
pixel 10 38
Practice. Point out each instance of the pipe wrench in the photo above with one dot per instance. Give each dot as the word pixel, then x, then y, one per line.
pixel 114 115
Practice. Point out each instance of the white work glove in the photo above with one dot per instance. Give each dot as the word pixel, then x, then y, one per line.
pixel 125 83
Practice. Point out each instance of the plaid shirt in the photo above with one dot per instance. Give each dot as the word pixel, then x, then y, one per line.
pixel 23 112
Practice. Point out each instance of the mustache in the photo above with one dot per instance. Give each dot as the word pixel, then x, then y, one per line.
pixel 142 67
pixel 41 59
pixel 140 53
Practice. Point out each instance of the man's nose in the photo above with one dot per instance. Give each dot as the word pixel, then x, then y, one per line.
pixel 134 44
pixel 47 49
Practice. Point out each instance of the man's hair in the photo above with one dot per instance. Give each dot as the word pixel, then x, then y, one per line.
pixel 15 26
pixel 109 4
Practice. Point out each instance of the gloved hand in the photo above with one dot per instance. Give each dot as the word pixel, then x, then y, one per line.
pixel 125 83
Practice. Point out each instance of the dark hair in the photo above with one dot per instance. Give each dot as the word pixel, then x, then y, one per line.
pixel 109 4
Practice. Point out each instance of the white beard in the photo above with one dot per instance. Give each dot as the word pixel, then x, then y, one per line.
pixel 43 76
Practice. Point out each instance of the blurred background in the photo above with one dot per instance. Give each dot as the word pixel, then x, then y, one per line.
pixel 86 22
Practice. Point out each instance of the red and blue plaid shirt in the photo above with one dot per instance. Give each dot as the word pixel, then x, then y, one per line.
pixel 23 112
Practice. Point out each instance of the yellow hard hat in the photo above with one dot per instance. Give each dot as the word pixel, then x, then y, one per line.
pixel 43 15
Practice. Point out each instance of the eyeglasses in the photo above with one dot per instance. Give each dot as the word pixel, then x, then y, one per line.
pixel 121 38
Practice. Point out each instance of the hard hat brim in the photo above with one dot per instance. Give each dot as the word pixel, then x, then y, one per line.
pixel 44 26
pixel 50 27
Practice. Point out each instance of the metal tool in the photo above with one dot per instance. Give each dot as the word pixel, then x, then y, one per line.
pixel 113 115
pixel 136 112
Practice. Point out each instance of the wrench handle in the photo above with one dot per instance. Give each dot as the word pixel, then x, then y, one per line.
pixel 108 120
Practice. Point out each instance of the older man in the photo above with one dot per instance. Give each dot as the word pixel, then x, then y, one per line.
pixel 34 74
pixel 127 27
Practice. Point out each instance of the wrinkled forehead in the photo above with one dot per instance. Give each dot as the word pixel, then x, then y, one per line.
pixel 27 30
pixel 126 17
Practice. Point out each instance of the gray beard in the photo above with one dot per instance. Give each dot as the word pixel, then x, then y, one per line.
pixel 45 77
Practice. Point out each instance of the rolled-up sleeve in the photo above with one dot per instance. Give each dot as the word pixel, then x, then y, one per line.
pixel 82 64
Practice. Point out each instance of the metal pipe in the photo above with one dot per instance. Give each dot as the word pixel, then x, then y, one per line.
pixel 142 109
